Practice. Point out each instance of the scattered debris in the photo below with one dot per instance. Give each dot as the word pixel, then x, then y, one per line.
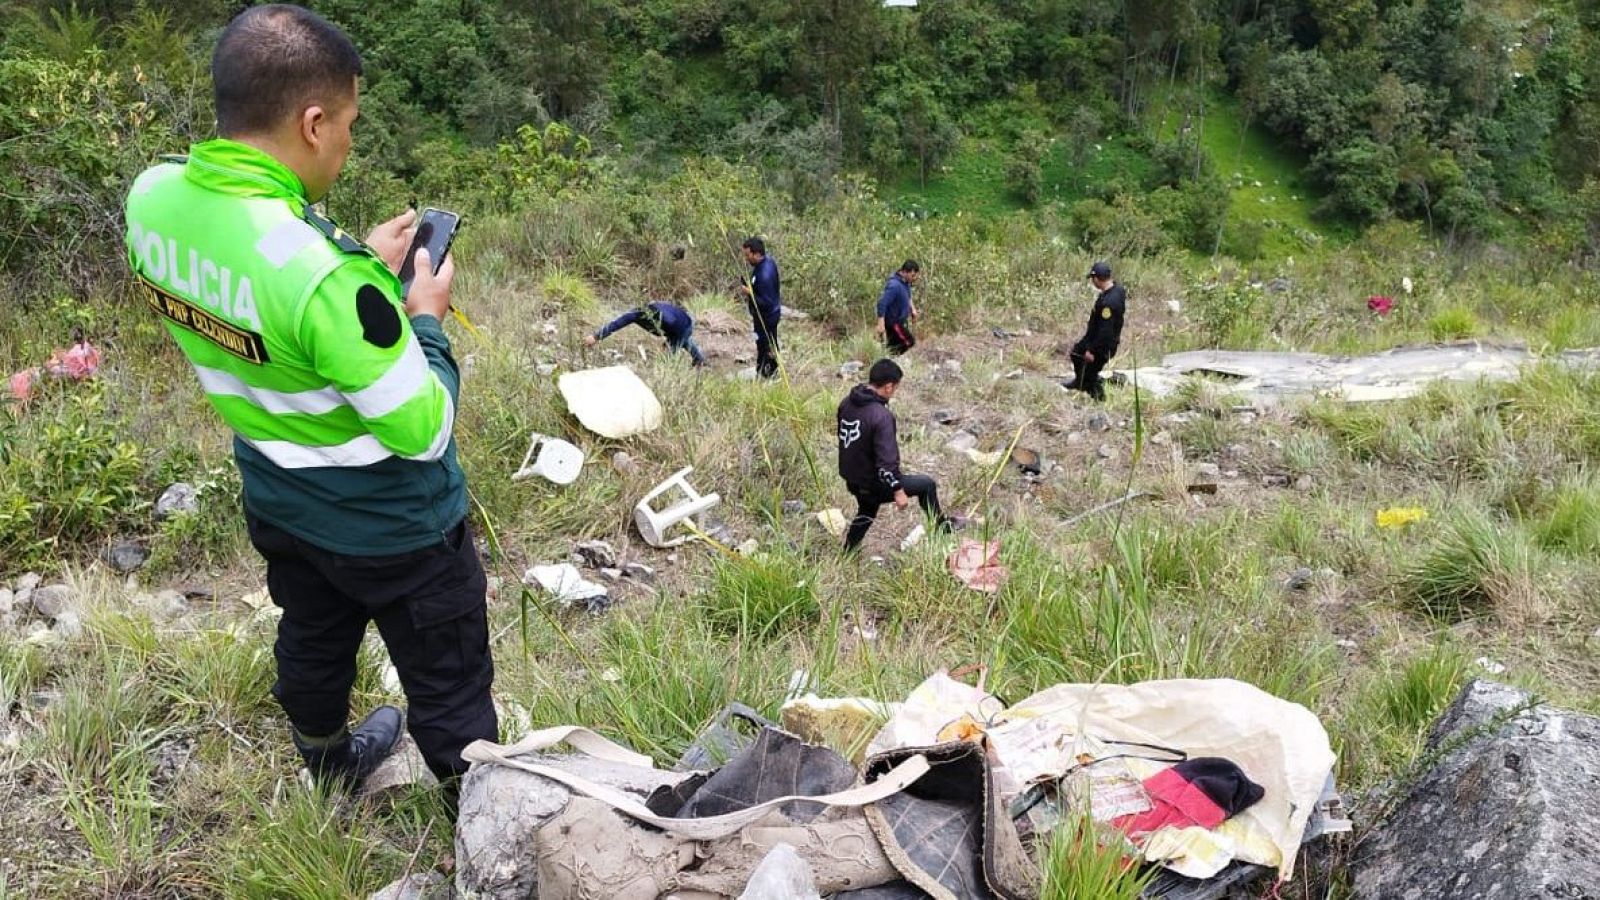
pixel 567 587
pixel 1275 480
pixel 976 564
pixel 558 461
pixel 1001 333
pixel 847 723
pixel 126 556
pixel 1396 517
pixel 798 315
pixel 179 498
pixel 611 402
pixel 1489 665
pixel 914 537
pixel 403 768
pixel 720 740
pixel 1381 305
pixel 1304 484
pixel 1028 461
pixel 68 624
pixel 656 525
pixel 416 886
pixel 1207 470
pixel 638 571
pixel 1106 452
pixel 1203 487
pixel 951 366
pixel 748 548
pixel 623 464
pixel 76 363
pixel 596 554
pixel 545 370
pixel 946 416
pixel 1174 306
pixel 851 369
pixel 987 459
pixel 1109 504
pixel 1099 422
pixel 1405 284
pixel 833 521
pixel 794 507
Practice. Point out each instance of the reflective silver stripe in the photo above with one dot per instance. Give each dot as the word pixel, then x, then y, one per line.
pixel 408 375
pixel 360 451
pixel 284 240
pixel 441 439
pixel 311 403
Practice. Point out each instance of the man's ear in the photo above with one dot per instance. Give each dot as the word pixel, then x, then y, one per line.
pixel 312 120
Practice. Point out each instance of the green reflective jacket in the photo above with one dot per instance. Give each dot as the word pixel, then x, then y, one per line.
pixel 342 409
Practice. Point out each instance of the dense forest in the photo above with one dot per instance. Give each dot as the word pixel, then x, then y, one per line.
pixel 1479 119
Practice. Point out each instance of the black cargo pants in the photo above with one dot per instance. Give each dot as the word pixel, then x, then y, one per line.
pixel 430 608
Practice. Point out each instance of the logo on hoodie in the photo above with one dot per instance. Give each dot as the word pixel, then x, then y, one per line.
pixel 849 432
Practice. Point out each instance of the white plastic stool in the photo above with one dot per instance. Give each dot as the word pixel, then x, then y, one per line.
pixel 558 460
pixel 654 524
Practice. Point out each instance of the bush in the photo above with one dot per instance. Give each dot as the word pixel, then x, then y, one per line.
pixel 761 597
pixel 1454 323
pixel 1473 568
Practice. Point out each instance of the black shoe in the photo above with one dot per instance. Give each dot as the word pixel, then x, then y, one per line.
pixel 351 757
pixel 1069 384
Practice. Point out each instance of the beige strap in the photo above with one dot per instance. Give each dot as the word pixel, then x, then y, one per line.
pixel 702 829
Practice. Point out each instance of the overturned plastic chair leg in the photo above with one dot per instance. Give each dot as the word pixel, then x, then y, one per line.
pixel 655 525
pixel 557 461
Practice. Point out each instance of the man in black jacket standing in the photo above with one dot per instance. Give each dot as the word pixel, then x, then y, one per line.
pixel 869 455
pixel 1099 342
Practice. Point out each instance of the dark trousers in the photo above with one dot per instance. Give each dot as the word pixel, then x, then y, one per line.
pixel 430 609
pixel 1086 374
pixel 919 487
pixel 766 325
pixel 898 338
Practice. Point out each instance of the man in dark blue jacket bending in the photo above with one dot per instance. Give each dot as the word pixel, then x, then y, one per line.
pixel 766 306
pixel 1099 342
pixel 869 455
pixel 662 319
pixel 896 311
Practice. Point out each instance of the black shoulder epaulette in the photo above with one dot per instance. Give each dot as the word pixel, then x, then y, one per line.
pixel 332 232
pixel 176 158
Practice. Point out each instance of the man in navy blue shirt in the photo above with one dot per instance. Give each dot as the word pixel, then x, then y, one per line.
pixel 662 319
pixel 895 309
pixel 1104 332
pixel 766 306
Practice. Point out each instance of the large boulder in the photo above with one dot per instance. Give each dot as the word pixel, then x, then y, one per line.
pixel 502 807
pixel 1510 808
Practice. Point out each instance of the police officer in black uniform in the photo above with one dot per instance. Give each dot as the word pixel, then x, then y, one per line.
pixel 1099 342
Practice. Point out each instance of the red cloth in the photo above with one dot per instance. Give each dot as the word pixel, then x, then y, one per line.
pixel 1380 305
pixel 1174 802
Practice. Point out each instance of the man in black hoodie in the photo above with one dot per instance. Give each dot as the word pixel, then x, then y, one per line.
pixel 869 455
pixel 1099 342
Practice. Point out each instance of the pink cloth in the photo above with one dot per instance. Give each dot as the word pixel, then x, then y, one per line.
pixel 1380 305
pixel 80 361
pixel 976 564
pixel 1174 802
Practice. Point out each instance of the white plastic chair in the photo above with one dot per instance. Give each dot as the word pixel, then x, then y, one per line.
pixel 558 460
pixel 654 524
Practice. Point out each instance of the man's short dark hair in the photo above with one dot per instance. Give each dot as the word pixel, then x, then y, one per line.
pixel 272 61
pixel 755 245
pixel 910 265
pixel 883 372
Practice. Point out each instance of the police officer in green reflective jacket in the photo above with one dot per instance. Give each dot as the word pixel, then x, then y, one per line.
pixel 342 398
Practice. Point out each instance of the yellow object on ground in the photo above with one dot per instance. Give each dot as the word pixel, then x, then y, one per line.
pixel 845 724
pixel 1401 516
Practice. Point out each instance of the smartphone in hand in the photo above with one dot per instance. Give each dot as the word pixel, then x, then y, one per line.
pixel 436 229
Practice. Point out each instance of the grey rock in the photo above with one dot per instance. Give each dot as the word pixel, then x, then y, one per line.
pixel 1275 480
pixel 1237 450
pixel 166 605
pixel 37 630
pixel 1299 579
pixel 29 581
pixel 1207 470
pixel 946 416
pixel 403 768
pixel 851 369
pixel 45 699
pixel 1099 422
pixel 1346 644
pixel 961 442
pixel 596 554
pixel 126 556
pixel 416 886
pixel 1304 484
pixel 623 464
pixel 1279 285
pixel 1230 473
pixel 1508 809
pixel 1075 437
pixel 639 571
pixel 1106 451
pixel 794 507
pixel 611 574
pixel 68 625
pixel 951 366
pixel 52 600
pixel 179 497
pixel 8 600
pixel 501 808
pixel 545 369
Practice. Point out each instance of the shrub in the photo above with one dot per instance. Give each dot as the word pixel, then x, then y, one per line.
pixel 1454 323
pixel 761 598
pixel 1472 568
